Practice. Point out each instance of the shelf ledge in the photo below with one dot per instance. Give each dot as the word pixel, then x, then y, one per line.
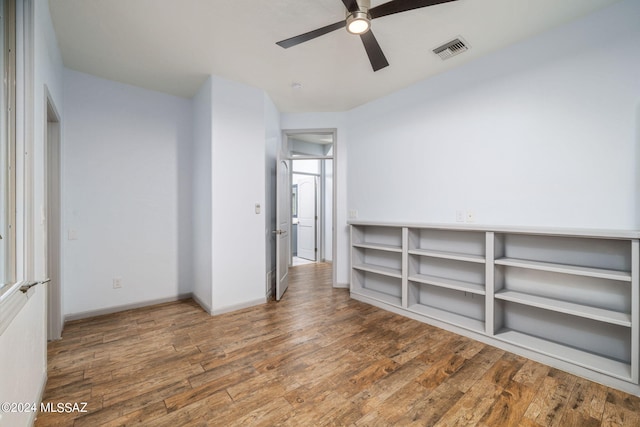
pixel 379 247
pixel 572 355
pixel 449 255
pixel 442 282
pixel 379 296
pixel 600 273
pixel 449 317
pixel 378 269
pixel 594 313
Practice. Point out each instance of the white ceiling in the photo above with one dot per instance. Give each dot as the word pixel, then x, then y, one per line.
pixel 173 45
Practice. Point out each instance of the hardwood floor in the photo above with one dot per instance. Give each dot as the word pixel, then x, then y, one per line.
pixel 315 358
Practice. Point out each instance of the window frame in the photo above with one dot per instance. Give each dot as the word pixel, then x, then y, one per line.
pixel 9 147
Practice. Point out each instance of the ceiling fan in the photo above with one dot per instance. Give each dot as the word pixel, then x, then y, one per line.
pixel 358 22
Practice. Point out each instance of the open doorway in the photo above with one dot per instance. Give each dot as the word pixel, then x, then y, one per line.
pixel 306 213
pixel 311 154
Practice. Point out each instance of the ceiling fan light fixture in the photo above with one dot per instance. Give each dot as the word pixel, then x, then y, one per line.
pixel 358 22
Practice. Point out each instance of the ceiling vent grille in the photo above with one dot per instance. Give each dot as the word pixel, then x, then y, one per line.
pixel 450 49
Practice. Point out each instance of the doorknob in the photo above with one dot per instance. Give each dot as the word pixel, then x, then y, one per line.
pixel 278 231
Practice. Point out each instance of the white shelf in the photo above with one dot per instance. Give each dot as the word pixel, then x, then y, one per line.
pixel 378 269
pixel 449 317
pixel 601 273
pixel 380 296
pixel 442 282
pixel 379 247
pixel 599 314
pixel 582 358
pixel 448 255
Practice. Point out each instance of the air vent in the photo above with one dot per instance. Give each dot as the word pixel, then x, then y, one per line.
pixel 452 48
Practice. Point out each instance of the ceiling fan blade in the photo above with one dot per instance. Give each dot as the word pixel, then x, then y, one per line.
pixel 311 35
pixel 351 5
pixel 374 51
pixel 398 6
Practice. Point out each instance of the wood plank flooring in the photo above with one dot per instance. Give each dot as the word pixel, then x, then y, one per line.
pixel 315 358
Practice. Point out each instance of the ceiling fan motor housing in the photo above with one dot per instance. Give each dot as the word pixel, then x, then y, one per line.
pixel 358 22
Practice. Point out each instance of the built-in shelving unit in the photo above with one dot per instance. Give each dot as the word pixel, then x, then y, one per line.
pixel 569 298
pixel 376 254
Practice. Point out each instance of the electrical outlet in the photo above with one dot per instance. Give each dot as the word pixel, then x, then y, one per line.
pixel 353 214
pixel 471 217
pixel 117 283
pixel 459 216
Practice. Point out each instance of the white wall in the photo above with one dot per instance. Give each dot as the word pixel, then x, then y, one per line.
pixel 238 183
pixel 127 195
pixel 544 133
pixel 201 181
pixel 23 347
pixel 297 121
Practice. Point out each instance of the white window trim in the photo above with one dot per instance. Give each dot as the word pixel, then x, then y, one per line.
pixel 11 299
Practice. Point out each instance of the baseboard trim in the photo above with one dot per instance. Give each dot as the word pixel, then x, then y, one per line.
pixel 235 307
pixel 341 285
pixel 119 308
pixel 202 304
pixel 43 385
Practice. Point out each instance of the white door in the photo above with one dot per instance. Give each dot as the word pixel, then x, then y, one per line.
pixel 307 216
pixel 283 219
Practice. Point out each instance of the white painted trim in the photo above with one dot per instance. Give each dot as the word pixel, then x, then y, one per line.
pixel 547 231
pixel 41 389
pixel 12 303
pixel 342 285
pixel 201 303
pixel 27 78
pixel 235 307
pixel 53 222
pixel 119 308
pixel 334 220
pixel 8 290
pixel 309 157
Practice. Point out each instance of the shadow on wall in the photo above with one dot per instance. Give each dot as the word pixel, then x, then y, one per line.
pixel 185 201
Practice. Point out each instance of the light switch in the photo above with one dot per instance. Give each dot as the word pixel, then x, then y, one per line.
pixel 257 208
pixel 73 234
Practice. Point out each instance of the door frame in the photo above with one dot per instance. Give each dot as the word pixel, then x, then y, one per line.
pixel 52 216
pixel 286 134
